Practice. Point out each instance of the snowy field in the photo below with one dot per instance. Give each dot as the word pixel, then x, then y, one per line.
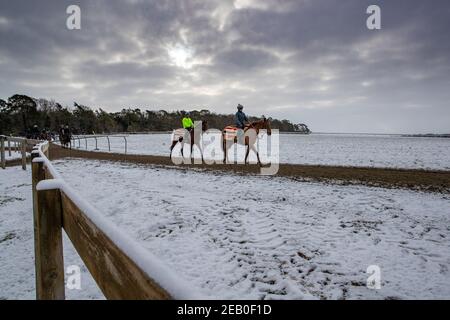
pixel 318 149
pixel 247 237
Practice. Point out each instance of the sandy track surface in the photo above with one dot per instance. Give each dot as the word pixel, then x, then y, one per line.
pixel 436 181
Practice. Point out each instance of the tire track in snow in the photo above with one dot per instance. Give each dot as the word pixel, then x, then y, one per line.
pixel 272 238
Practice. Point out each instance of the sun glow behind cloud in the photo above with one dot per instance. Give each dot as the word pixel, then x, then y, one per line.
pixel 181 56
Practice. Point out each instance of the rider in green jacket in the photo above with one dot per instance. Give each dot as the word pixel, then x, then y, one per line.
pixel 187 123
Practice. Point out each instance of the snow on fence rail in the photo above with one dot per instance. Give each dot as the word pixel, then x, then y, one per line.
pixel 121 267
pixel 17 145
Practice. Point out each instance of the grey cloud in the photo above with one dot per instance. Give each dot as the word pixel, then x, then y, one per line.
pixel 244 60
pixel 309 61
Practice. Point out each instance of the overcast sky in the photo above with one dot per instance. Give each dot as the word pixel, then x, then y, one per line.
pixel 310 61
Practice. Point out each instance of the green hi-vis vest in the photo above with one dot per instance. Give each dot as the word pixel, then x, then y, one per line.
pixel 187 123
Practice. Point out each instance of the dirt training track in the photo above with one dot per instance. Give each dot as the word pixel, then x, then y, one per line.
pixel 435 181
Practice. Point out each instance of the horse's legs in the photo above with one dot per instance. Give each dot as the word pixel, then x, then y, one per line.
pixel 201 151
pixel 174 143
pixel 224 147
pixel 192 143
pixel 247 146
pixel 257 153
pixel 182 147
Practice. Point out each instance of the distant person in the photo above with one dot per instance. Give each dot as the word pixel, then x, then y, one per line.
pixel 43 135
pixel 240 118
pixel 63 136
pixel 35 132
pixel 61 133
pixel 67 133
pixel 188 124
pixel 67 136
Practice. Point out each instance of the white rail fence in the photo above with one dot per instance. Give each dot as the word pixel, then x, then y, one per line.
pixel 76 140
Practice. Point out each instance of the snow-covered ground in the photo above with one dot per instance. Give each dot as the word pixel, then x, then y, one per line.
pixel 318 149
pixel 247 237
pixel 17 280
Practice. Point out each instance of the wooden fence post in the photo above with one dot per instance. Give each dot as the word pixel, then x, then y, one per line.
pixel 9 147
pixel 2 153
pixel 37 174
pixel 24 155
pixel 49 259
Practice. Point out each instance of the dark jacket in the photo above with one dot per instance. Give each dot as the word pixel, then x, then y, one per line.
pixel 240 119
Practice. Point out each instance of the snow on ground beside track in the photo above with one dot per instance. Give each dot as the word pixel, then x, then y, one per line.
pixel 251 237
pixel 246 237
pixel 17 277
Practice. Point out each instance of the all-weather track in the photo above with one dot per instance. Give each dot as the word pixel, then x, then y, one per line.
pixel 414 179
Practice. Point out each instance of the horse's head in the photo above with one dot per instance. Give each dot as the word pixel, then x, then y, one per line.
pixel 263 124
pixel 267 126
pixel 260 125
pixel 203 126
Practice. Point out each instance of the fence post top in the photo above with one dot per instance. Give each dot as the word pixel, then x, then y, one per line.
pixel 38 160
pixel 50 184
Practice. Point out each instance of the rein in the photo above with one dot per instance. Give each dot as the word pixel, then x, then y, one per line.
pixel 252 125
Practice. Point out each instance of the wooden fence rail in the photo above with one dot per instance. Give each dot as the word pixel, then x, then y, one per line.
pixel 120 267
pixel 18 145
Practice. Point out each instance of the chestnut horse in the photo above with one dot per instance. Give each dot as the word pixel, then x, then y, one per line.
pixel 180 135
pixel 230 133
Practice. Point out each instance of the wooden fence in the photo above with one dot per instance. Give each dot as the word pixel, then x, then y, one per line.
pixel 17 145
pixel 117 263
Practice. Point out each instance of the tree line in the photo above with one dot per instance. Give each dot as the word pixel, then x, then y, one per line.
pixel 20 113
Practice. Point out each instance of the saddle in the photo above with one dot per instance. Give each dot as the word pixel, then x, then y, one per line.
pixel 231 132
